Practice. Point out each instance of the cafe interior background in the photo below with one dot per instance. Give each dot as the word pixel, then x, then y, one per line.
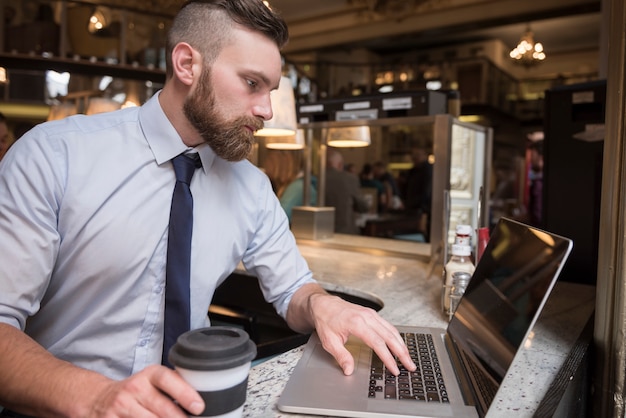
pixel 65 57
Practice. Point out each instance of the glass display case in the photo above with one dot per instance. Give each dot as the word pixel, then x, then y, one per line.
pixel 460 182
pixel 460 157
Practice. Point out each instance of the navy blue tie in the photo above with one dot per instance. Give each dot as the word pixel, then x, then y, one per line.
pixel 177 304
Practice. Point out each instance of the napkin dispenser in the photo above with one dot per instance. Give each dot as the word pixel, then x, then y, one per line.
pixel 311 222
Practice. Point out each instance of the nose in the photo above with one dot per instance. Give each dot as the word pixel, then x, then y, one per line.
pixel 263 108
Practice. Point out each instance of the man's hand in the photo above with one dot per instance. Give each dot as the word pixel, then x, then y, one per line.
pixel 34 382
pixel 335 320
pixel 149 393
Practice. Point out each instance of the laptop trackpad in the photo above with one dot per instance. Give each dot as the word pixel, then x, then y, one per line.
pixel 322 359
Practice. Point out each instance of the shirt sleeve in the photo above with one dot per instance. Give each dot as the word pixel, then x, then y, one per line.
pixel 273 256
pixel 31 184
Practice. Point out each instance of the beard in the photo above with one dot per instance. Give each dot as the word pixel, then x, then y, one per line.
pixel 230 140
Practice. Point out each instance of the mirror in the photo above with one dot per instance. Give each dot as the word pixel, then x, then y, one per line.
pixel 458 154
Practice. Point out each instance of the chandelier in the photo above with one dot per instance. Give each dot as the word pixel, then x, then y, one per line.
pixel 528 52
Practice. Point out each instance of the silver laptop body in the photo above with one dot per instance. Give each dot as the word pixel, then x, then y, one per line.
pixel 505 296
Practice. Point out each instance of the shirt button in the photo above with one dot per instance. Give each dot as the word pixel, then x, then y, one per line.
pixel 143 343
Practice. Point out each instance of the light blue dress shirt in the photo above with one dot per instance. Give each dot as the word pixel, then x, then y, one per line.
pixel 84 209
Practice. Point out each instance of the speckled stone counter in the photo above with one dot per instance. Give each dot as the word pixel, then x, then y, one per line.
pixel 400 279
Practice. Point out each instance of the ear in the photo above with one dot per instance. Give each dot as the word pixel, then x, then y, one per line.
pixel 186 62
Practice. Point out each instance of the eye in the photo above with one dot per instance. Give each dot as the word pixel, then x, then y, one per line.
pixel 252 83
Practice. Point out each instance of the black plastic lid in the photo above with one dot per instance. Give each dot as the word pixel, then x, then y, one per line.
pixel 213 348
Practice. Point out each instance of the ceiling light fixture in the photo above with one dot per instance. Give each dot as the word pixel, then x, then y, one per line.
pixel 351 137
pixel 291 142
pixel 97 21
pixel 102 23
pixel 528 52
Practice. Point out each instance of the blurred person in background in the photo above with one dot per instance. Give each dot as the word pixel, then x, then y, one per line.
pixel 367 180
pixel 417 194
pixel 394 201
pixel 343 193
pixel 284 168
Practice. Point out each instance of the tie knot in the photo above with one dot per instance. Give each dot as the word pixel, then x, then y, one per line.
pixel 185 165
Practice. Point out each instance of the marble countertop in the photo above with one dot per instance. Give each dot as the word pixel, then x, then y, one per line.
pixel 410 290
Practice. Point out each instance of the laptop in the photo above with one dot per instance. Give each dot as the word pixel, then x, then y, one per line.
pixel 461 367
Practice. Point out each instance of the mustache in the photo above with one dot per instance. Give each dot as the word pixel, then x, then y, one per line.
pixel 255 123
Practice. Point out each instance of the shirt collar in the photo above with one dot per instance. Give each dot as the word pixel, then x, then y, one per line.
pixel 163 139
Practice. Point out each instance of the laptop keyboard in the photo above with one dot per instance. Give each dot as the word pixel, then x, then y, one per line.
pixel 424 384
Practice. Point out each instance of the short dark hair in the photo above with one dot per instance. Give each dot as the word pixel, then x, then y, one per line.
pixel 206 24
pixel 2 117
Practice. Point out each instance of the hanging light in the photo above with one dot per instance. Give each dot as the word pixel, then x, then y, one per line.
pixel 102 24
pixel 284 121
pixel 4 79
pixel 528 52
pixel 291 142
pixel 352 137
pixel 97 21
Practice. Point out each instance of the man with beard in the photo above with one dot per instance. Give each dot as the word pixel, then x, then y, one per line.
pixel 84 214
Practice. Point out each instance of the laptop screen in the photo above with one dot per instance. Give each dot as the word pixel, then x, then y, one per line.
pixel 509 286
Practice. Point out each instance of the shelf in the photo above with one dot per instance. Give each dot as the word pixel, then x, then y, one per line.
pixel 29 62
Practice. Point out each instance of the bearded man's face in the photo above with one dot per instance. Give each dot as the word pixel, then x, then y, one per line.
pixel 230 139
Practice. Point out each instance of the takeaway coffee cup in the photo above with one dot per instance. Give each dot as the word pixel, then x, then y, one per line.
pixel 216 362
